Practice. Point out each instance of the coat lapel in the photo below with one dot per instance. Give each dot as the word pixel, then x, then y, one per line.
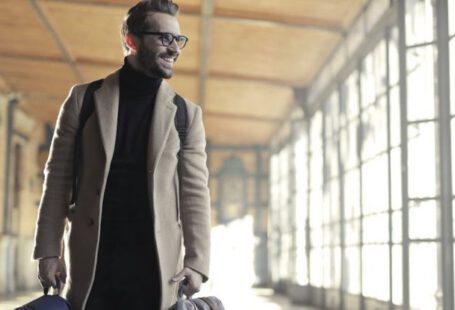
pixel 162 121
pixel 106 106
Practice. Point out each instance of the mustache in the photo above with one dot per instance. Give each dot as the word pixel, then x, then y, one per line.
pixel 169 54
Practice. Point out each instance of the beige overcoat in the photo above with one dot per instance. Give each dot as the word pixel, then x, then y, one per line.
pixel 178 220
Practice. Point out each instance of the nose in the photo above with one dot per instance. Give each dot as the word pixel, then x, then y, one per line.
pixel 174 47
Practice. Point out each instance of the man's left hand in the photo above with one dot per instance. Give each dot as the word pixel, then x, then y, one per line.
pixel 192 281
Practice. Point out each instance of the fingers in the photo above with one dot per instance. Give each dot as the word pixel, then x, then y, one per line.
pixel 190 281
pixel 49 271
pixel 47 280
pixel 179 276
pixel 189 290
pixel 61 276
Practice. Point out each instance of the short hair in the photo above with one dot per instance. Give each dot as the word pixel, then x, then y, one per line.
pixel 134 21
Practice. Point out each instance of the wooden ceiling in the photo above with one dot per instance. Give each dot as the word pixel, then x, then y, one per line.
pixel 242 63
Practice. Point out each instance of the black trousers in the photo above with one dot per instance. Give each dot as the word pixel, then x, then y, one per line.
pixel 127 275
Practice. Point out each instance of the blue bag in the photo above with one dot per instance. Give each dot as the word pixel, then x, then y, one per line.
pixel 47 302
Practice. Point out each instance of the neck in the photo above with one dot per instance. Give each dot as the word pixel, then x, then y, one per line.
pixel 135 82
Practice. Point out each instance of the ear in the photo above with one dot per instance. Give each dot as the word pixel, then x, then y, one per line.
pixel 131 42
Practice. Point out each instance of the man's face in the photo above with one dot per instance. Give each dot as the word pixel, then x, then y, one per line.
pixel 154 59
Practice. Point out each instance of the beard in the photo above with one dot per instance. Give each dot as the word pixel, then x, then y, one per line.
pixel 148 62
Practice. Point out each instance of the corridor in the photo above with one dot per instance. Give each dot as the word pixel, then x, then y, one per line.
pixel 329 144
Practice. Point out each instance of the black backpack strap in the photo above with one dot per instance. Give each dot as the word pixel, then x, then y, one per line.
pixel 181 119
pixel 181 123
pixel 88 106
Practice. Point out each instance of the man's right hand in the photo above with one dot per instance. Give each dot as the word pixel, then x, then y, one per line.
pixel 48 269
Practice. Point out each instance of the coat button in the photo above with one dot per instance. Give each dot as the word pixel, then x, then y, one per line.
pixel 91 221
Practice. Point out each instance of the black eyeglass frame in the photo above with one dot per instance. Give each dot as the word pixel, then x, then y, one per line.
pixel 163 34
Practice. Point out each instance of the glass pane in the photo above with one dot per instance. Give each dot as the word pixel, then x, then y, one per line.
pixel 316 160
pixel 395 157
pixel 316 131
pixel 274 168
pixel 422 160
pixel 316 237
pixel 302 271
pixel 332 113
pixel 284 256
pixel 423 275
pixel 301 177
pixel 316 267
pixel 335 200
pixel 326 236
pixel 397 275
pixel 395 114
pixel 331 160
pixel 332 267
pixel 374 129
pixel 350 96
pixel 315 208
pixel 352 268
pixel 451 17
pixel 423 219
pixel 331 235
pixel 375 188
pixel 394 63
pixel 452 126
pixel 284 179
pixel 375 272
pixel 421 80
pixel 373 75
pixel 397 231
pixel 352 232
pixel 419 21
pixel 352 194
pixel 376 228
pixel 452 74
pixel 367 81
pixel 349 145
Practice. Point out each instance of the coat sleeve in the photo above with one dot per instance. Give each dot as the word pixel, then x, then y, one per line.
pixel 57 186
pixel 195 198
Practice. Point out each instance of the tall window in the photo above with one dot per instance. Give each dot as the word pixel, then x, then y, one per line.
pixel 301 206
pixel 452 99
pixel 421 129
pixel 316 201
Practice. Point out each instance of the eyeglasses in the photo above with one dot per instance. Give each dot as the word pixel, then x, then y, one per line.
pixel 167 38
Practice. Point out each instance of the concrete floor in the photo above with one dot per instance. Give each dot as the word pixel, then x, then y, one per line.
pixel 256 299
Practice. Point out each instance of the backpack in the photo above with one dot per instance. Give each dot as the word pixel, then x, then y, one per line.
pixel 88 106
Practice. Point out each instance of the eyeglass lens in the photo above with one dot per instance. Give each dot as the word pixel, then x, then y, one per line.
pixel 168 37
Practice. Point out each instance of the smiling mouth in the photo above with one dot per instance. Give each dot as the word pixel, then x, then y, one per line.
pixel 169 60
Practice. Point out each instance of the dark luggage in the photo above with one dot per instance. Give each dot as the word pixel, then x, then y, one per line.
pixel 201 303
pixel 47 302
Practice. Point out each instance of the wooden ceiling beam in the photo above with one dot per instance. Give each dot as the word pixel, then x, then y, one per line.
pixel 243 117
pixel 184 9
pixel 254 78
pixel 69 59
pixel 311 24
pixel 280 21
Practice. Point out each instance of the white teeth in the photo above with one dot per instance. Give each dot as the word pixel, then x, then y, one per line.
pixel 170 60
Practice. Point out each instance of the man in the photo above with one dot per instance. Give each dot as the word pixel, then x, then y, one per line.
pixel 123 236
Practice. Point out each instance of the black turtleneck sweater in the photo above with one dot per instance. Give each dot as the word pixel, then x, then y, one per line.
pixel 126 194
